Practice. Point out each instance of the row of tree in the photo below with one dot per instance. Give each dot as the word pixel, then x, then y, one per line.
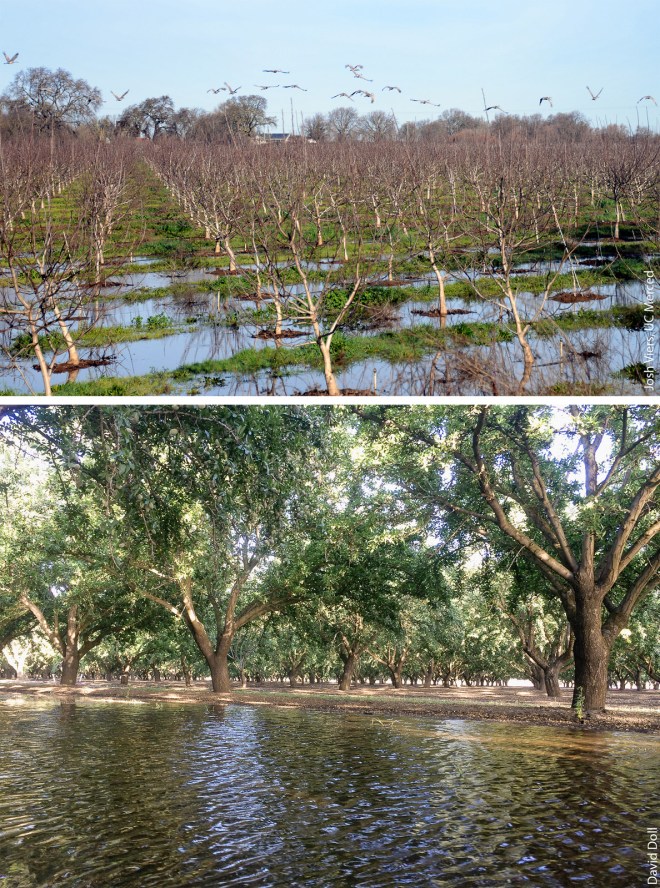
pixel 361 213
pixel 59 206
pixel 431 542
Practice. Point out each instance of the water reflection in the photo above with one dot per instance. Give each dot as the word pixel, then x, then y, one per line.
pixel 205 332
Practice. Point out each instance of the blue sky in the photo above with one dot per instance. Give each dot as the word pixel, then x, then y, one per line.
pixel 442 50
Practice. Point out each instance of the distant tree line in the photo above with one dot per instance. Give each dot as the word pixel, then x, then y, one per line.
pixel 43 100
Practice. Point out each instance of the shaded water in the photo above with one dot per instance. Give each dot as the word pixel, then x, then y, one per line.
pixel 107 795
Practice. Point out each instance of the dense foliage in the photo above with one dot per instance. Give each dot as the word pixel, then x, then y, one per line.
pixel 429 544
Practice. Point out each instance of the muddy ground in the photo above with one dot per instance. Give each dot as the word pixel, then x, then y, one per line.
pixel 626 710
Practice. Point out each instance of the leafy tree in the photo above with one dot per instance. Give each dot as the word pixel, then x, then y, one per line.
pixel 636 652
pixel 199 502
pixel 536 618
pixel 51 570
pixel 586 518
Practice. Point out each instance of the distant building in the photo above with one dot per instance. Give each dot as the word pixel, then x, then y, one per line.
pixel 278 138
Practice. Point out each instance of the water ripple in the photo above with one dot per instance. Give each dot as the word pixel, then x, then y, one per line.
pixel 96 796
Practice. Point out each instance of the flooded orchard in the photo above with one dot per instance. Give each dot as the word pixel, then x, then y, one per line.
pixel 343 269
pixel 178 328
pixel 165 795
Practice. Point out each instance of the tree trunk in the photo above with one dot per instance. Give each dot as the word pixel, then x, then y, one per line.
pixel 185 668
pixel 347 675
pixel 219 665
pixel 551 679
pixel 231 254
pixel 591 654
pixel 70 665
pixel 330 381
pixel 537 676
pixel 395 674
pixel 442 300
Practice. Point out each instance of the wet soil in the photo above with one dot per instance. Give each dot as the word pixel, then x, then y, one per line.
pixel 283 334
pixel 570 298
pixel 346 393
pixel 436 313
pixel 626 710
pixel 82 364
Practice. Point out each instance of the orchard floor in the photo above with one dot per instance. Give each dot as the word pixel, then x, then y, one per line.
pixel 627 710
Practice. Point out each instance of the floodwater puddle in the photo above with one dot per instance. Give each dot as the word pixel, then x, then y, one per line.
pixel 237 795
pixel 210 328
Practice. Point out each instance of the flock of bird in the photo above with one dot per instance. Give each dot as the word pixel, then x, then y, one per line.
pixel 356 71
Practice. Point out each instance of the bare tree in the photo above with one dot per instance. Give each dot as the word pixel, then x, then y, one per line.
pixel 54 99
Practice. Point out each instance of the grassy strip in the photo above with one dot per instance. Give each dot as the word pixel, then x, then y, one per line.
pixel 95 338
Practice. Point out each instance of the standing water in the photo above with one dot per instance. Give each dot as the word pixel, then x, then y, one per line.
pixel 110 795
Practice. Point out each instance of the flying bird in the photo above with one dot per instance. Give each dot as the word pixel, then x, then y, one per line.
pixel 266 86
pixel 122 96
pixel 10 61
pixel 363 92
pixel 392 87
pixel 228 89
pixel 345 95
pixel 650 98
pixel 495 108
pixel 593 95
pixel 354 68
pixel 362 77
pixel 295 86
pixel 426 102
pixel 547 99
pixel 275 71
pixel 214 91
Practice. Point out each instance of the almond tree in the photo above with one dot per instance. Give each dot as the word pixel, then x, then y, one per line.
pixel 200 507
pixel 105 198
pixel 290 212
pixel 47 536
pixel 517 204
pixel 628 169
pixel 434 210
pixel 209 182
pixel 545 635
pixel 45 252
pixel 586 518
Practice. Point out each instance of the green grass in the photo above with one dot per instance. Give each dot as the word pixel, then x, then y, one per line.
pixel 100 336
